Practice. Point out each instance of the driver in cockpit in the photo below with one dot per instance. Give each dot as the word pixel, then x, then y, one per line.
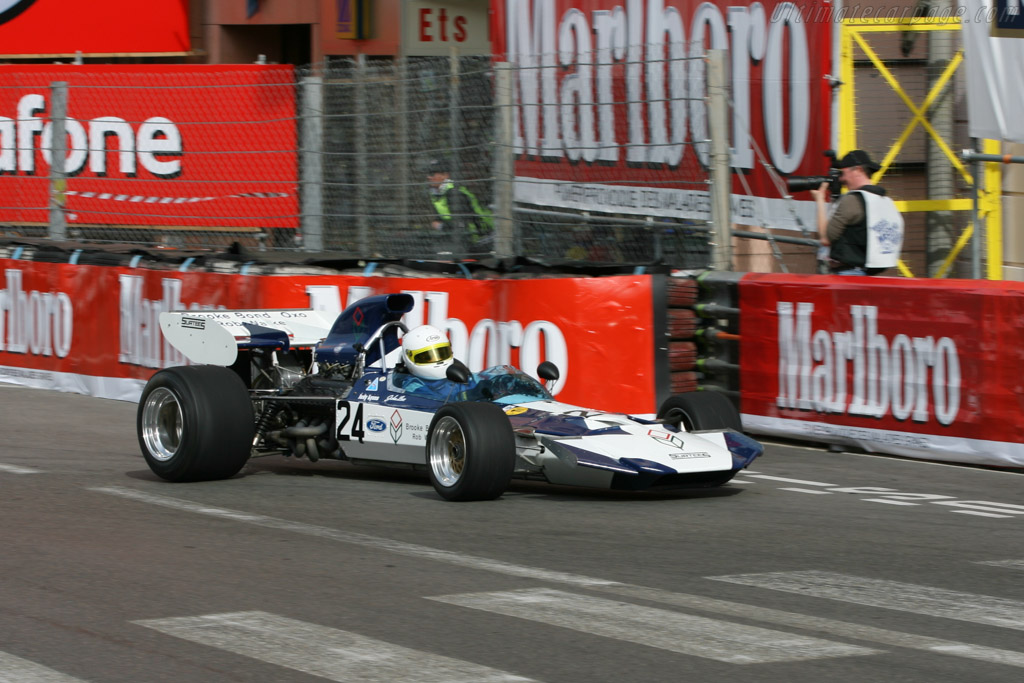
pixel 427 355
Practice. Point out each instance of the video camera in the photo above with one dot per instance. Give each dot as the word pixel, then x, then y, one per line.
pixel 799 183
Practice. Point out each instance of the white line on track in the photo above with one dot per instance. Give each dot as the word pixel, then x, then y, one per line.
pixel 814 491
pixel 17 670
pixel 904 597
pixel 1013 564
pixel 714 606
pixel 889 502
pixel 793 481
pixel 321 651
pixel 17 469
pixel 722 641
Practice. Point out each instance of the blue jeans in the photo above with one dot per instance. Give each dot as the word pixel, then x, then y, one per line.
pixel 856 270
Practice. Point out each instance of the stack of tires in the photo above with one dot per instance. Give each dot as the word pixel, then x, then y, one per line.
pixel 704 335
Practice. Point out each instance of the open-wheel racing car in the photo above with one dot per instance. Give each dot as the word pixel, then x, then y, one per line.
pixel 296 383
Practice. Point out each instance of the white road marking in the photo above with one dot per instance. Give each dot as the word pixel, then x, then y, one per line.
pixel 904 597
pixel 981 514
pixel 321 651
pixel 716 607
pixel 887 501
pixel 17 670
pixel 792 481
pixel 17 469
pixel 722 641
pixel 814 491
pixel 398 547
pixel 871 634
pixel 1013 564
pixel 741 481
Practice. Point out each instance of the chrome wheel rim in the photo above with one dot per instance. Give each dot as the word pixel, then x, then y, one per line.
pixel 447 451
pixel 162 424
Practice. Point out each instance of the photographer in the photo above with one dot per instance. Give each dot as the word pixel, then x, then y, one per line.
pixel 864 230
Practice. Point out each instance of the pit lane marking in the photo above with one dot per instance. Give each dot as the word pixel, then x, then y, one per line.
pixel 714 606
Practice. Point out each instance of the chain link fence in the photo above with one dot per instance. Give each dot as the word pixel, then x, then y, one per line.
pixel 332 157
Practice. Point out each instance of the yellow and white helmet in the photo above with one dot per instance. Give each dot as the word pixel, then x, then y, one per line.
pixel 427 351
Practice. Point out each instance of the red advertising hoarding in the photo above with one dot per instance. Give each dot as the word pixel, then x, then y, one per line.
pixel 610 110
pixel 153 145
pixel 930 369
pixel 94 330
pixel 104 27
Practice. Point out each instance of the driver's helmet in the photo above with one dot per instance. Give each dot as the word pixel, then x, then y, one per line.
pixel 427 351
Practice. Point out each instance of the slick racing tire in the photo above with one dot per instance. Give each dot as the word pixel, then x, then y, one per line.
pixel 701 410
pixel 471 451
pixel 195 423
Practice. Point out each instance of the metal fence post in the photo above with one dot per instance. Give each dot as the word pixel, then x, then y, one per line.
pixel 311 144
pixel 362 170
pixel 721 180
pixel 504 163
pixel 58 228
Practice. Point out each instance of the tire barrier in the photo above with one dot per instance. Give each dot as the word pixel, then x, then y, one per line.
pixel 703 328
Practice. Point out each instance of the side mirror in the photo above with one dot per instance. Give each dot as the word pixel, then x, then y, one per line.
pixel 458 373
pixel 548 370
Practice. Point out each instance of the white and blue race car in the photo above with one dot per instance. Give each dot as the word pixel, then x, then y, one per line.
pixel 293 382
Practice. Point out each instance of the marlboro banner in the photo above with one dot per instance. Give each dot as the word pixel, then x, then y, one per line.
pixel 610 102
pixel 920 368
pixel 95 330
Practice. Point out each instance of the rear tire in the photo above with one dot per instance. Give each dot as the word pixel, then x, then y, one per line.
pixel 471 451
pixel 195 423
pixel 701 410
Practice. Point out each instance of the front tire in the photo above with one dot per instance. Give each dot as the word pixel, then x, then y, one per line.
pixel 471 451
pixel 195 423
pixel 699 410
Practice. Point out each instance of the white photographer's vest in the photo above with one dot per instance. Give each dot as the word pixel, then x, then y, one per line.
pixel 884 231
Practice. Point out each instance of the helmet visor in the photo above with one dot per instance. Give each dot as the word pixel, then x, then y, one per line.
pixel 431 354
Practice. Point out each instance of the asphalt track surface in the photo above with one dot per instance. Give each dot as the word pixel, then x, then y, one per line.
pixel 814 567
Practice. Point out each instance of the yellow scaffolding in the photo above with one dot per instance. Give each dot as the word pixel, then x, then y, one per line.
pixel 852 34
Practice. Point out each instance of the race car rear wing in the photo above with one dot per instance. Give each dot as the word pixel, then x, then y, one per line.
pixel 214 337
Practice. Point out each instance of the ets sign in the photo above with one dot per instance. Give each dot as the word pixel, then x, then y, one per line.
pixel 436 27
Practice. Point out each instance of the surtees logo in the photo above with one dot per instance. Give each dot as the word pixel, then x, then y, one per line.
pixel 194 323
pixel 687 456
pixel 396 426
pixel 907 377
pixel 665 438
pixel 376 425
pixel 890 237
pixel 9 9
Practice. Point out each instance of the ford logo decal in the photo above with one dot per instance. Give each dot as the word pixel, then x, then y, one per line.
pixel 376 425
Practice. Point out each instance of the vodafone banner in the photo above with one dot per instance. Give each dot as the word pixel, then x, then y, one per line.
pixel 609 101
pixel 101 27
pixel 167 145
pixel 94 329
pixel 930 369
